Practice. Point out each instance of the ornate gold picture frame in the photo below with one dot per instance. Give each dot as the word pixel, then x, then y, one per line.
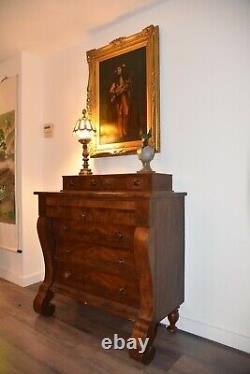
pixel 123 93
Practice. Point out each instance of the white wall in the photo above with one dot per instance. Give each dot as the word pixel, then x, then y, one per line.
pixel 205 135
pixel 66 80
pixel 32 96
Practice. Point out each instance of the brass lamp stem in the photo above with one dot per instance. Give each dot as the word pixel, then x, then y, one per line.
pixel 85 158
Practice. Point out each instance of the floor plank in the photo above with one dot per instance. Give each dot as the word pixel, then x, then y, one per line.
pixel 70 342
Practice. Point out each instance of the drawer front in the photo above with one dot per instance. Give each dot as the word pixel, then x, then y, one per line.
pixel 92 215
pixel 112 287
pixel 69 233
pixel 90 257
pixel 108 183
pixel 70 200
pixel 108 286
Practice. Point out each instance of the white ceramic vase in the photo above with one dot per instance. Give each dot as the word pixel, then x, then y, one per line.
pixel 146 155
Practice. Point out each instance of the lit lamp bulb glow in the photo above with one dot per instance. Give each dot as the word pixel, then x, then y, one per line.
pixel 84 130
pixel 84 134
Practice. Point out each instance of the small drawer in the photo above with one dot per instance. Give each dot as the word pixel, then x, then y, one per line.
pixel 71 232
pixel 124 183
pixel 138 183
pixel 86 183
pixel 119 182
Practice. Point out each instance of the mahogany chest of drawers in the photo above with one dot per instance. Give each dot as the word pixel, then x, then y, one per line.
pixel 115 242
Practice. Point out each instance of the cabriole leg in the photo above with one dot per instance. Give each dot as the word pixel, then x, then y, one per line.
pixel 173 318
pixel 143 330
pixel 42 304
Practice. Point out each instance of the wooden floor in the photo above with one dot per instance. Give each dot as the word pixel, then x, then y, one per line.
pixel 70 342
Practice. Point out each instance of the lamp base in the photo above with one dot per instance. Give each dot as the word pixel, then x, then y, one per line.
pixel 85 172
pixel 85 157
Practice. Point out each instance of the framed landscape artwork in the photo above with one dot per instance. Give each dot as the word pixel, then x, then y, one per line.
pixel 123 93
pixel 9 195
pixel 7 167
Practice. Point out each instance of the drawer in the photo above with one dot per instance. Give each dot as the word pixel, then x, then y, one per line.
pixel 118 182
pixel 92 215
pixel 76 201
pixel 107 182
pixel 98 258
pixel 112 287
pixel 68 233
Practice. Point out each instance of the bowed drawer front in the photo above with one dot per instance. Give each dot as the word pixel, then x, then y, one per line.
pixel 89 211
pixel 70 232
pixel 115 242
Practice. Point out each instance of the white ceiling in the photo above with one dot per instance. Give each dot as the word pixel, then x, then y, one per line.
pixel 43 26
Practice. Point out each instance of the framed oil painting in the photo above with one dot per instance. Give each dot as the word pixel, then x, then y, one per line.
pixel 123 93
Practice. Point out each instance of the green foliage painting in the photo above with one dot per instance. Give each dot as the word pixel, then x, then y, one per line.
pixel 7 168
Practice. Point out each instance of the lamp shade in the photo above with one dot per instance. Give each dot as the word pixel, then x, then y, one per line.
pixel 83 128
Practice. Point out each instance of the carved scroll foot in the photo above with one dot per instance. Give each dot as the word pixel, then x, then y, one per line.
pixel 42 303
pixel 173 318
pixel 143 330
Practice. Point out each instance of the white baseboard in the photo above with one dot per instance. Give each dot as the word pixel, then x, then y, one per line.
pixel 20 279
pixel 32 278
pixel 10 276
pixel 229 338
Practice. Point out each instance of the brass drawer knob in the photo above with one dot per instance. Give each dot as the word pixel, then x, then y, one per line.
pixel 137 182
pixel 67 274
pixel 83 215
pixel 119 235
pixel 67 250
pixel 122 290
pixel 71 182
pixel 121 261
